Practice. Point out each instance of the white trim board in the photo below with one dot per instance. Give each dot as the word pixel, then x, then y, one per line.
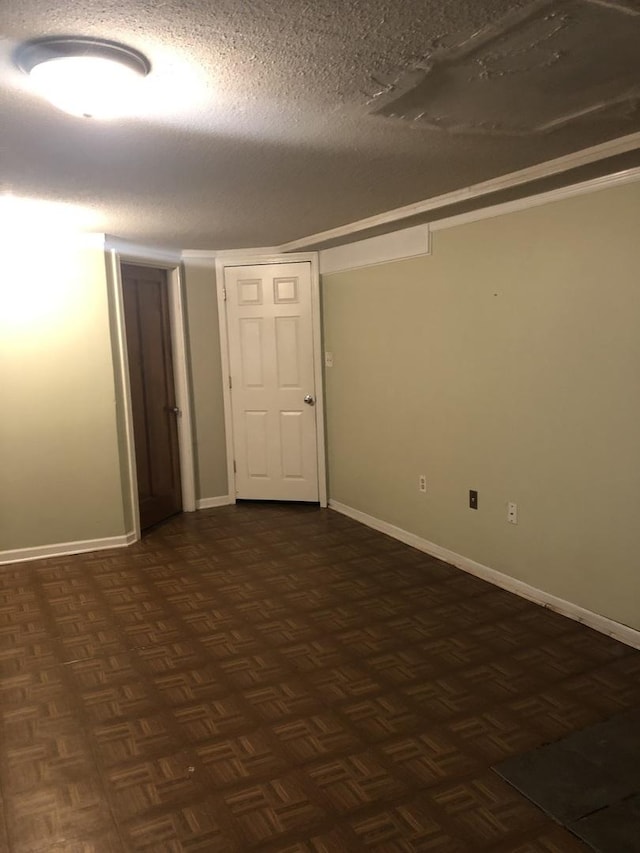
pixel 92 239
pixel 227 254
pixel 177 314
pixel 62 549
pixel 329 257
pixel 121 363
pixel 628 176
pixel 210 503
pixel 137 253
pixel 394 246
pixel 198 254
pixel 402 244
pixel 474 191
pixel 604 625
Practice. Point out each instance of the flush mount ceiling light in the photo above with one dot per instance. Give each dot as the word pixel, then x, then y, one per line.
pixel 84 76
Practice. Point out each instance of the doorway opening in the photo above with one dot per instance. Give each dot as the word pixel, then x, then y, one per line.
pixel 269 313
pixel 154 407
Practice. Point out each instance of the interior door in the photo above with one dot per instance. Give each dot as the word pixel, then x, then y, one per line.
pixel 270 334
pixel 155 429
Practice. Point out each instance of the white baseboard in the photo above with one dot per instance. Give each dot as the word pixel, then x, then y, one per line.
pixel 209 503
pixel 61 549
pixel 617 630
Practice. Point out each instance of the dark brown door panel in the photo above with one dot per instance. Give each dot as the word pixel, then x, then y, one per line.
pixel 148 330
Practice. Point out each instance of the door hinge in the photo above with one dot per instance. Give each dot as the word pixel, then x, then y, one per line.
pixel 224 294
pixel 235 470
pixel 230 382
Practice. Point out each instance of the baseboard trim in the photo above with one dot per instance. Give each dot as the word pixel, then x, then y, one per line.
pixel 623 633
pixel 62 549
pixel 210 503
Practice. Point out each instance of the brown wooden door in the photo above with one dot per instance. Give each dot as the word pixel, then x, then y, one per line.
pixel 155 429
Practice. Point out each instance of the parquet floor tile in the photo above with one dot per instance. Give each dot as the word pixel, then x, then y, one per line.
pixel 282 679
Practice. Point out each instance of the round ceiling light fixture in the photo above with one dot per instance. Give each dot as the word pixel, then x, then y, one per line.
pixel 84 77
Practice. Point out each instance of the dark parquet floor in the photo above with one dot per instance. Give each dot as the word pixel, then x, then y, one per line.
pixel 281 678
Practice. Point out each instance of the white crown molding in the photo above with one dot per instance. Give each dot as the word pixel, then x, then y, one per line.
pixel 604 625
pixel 92 240
pixel 62 549
pixel 628 176
pixel 129 251
pixel 141 253
pixel 199 255
pixel 210 503
pixel 233 254
pixel 259 250
pixel 226 254
pixel 249 259
pixel 475 191
pixel 396 245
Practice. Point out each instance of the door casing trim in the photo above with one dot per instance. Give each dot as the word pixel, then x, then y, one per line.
pixel 246 259
pixel 180 375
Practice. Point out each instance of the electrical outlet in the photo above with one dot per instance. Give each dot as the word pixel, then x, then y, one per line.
pixel 328 359
pixel 512 512
pixel 422 483
pixel 473 499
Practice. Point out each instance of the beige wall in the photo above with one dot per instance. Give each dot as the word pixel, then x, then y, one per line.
pixel 206 378
pixel 506 362
pixel 64 467
pixel 129 509
pixel 59 470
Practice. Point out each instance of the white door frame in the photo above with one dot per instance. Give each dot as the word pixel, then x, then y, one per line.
pixel 246 259
pixel 180 373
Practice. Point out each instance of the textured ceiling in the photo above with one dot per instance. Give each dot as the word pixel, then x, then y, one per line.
pixel 268 121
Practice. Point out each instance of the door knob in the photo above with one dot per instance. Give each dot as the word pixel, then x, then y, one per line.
pixel 173 409
pixel 310 400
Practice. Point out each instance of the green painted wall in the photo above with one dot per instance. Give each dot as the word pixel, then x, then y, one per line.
pixel 506 362
pixel 203 344
pixel 59 472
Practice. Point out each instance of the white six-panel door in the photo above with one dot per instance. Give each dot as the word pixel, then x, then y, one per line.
pixel 271 360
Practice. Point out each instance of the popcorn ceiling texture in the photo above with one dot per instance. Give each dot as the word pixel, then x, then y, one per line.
pixel 263 120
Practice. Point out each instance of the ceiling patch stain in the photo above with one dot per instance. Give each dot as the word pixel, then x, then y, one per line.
pixel 625 8
pixel 524 56
pixel 531 72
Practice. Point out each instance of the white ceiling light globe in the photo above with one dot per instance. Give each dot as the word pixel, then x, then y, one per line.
pixel 85 77
pixel 87 86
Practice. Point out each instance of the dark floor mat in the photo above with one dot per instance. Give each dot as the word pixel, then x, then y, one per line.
pixel 616 828
pixel 588 781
